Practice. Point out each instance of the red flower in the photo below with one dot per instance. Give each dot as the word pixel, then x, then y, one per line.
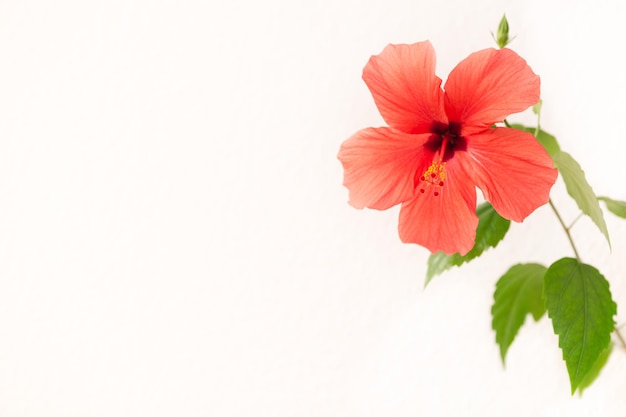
pixel 440 146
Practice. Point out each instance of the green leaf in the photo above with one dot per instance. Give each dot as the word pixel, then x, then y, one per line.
pixel 547 140
pixel 594 372
pixel 616 207
pixel 579 303
pixel 490 231
pixel 518 293
pixel 580 190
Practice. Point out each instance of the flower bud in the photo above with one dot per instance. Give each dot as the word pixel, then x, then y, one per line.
pixel 502 36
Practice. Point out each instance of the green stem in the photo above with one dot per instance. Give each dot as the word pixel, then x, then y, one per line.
pixel 538 128
pixel 619 336
pixel 566 229
pixel 574 221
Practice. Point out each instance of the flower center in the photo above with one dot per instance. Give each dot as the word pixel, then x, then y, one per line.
pixel 444 141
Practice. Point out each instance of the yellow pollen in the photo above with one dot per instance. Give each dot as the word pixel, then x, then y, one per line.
pixel 434 176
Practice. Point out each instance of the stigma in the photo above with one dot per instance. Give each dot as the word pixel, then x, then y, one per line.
pixel 433 179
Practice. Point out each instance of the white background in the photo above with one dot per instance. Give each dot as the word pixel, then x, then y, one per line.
pixel 175 239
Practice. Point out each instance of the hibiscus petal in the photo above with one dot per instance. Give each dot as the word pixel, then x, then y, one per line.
pixel 512 169
pixel 380 165
pixel 405 88
pixel 446 222
pixel 488 86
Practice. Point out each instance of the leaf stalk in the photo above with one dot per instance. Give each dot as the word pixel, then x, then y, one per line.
pixel 565 229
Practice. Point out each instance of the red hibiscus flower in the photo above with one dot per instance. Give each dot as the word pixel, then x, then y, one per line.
pixel 440 146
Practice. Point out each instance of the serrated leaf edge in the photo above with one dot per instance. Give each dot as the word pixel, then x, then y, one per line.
pixel 517 300
pixel 562 337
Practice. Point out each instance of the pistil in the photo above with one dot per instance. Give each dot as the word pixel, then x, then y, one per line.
pixel 435 175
